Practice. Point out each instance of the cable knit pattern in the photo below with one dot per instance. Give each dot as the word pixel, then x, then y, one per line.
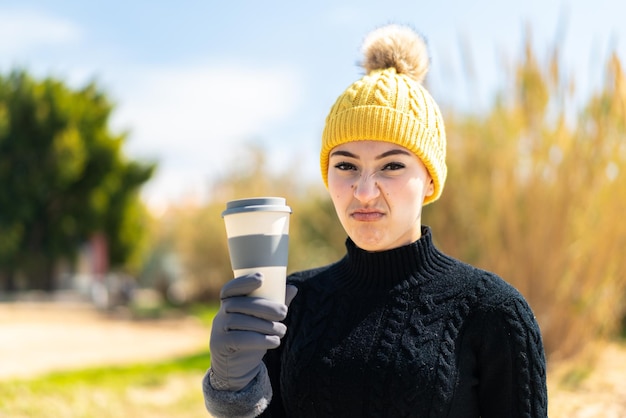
pixel 409 332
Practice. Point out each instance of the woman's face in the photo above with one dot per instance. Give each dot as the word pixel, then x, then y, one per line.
pixel 378 189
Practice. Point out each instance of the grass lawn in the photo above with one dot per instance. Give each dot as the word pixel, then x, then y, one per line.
pixel 165 389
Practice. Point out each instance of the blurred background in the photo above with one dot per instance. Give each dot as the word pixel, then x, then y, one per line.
pixel 126 126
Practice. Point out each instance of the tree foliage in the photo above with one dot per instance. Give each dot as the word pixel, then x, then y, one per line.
pixel 64 177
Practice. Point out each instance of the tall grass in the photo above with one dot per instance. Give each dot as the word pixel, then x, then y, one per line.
pixel 541 201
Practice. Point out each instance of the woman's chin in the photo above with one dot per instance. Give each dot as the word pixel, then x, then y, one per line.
pixel 369 242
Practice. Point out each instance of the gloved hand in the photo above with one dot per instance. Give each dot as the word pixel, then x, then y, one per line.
pixel 243 330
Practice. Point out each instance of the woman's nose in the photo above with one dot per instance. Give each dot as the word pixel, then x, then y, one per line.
pixel 366 188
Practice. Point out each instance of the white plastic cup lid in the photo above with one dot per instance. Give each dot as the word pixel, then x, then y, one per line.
pixel 256 204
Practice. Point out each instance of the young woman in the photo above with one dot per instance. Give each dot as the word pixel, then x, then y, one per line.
pixel 395 328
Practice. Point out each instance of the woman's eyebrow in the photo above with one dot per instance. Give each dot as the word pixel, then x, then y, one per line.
pixel 386 154
pixel 343 154
pixel 393 152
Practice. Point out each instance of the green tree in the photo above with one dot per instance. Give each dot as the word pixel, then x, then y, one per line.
pixel 64 177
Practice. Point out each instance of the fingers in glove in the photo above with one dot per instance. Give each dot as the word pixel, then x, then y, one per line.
pixel 239 322
pixel 238 341
pixel 242 285
pixel 258 307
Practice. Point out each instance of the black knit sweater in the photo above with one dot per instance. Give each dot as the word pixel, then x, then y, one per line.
pixel 409 332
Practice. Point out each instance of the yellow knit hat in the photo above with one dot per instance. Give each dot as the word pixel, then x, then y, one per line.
pixel 390 104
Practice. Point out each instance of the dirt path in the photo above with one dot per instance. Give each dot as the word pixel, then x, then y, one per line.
pixel 601 391
pixel 39 337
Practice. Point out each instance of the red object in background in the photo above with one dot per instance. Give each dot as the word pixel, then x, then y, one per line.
pixel 100 254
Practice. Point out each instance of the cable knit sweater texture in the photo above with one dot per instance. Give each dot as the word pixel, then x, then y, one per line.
pixel 409 332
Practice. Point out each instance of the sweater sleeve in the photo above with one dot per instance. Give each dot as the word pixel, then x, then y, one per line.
pixel 511 363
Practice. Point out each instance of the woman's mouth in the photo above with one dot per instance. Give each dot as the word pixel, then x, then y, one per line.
pixel 367 215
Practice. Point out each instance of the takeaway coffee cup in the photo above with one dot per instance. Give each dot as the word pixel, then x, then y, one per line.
pixel 258 240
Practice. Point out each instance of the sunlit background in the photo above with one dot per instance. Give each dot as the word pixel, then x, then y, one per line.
pixel 228 99
pixel 192 82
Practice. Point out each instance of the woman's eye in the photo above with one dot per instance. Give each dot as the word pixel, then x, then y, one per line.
pixel 393 166
pixel 344 166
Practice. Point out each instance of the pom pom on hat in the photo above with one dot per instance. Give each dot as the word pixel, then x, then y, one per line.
pixel 390 104
pixel 398 47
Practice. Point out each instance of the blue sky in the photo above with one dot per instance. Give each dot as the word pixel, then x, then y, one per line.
pixel 194 80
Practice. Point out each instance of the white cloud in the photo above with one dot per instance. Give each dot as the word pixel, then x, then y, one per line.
pixel 205 106
pixel 24 30
pixel 192 119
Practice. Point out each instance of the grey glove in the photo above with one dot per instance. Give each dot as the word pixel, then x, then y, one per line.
pixel 243 330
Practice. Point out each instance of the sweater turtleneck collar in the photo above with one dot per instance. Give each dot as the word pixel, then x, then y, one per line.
pixel 420 259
